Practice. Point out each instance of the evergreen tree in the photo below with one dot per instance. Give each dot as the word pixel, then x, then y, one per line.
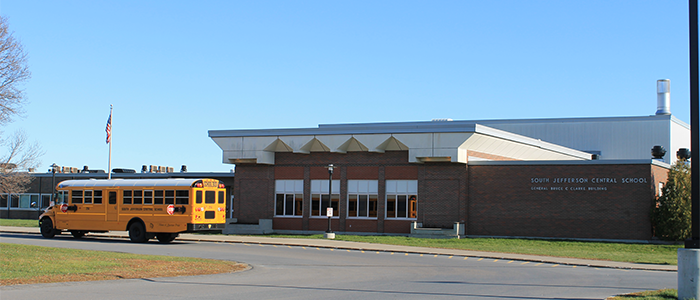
pixel 671 214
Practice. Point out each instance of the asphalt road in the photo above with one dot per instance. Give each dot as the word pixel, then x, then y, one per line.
pixel 294 272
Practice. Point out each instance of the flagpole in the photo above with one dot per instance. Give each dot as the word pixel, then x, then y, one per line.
pixel 109 164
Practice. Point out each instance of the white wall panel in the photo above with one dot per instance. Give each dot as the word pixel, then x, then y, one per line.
pixel 615 138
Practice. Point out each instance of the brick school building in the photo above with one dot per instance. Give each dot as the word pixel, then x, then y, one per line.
pixel 588 178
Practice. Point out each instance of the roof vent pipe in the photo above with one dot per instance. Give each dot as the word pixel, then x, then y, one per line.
pixel 658 152
pixel 663 97
pixel 683 153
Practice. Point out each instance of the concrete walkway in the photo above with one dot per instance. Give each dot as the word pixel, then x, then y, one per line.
pixel 321 243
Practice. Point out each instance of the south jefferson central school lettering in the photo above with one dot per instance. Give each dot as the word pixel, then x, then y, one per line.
pixel 583 180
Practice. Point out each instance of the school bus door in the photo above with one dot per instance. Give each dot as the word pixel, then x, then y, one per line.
pixel 112 209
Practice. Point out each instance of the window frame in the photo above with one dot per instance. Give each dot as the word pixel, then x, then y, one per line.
pixel 88 196
pixel 148 197
pixel 169 197
pixel 289 198
pixel 97 197
pixel 75 198
pixel 319 195
pixel 158 197
pixel 401 191
pixel 125 197
pixel 357 189
pixel 182 197
pixel 137 196
pixel 22 201
pixel 45 200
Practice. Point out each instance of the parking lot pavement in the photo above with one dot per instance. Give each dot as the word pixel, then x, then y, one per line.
pixel 326 243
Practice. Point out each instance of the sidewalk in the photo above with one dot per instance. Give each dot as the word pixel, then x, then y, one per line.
pixel 333 244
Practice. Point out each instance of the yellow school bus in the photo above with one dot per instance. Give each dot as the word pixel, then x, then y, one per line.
pixel 146 208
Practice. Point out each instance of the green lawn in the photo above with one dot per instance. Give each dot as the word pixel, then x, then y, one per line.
pixel 665 294
pixel 637 253
pixel 19 223
pixel 22 264
pixel 625 252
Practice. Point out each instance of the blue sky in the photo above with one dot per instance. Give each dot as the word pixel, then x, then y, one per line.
pixel 175 69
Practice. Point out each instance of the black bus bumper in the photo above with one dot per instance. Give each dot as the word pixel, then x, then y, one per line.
pixel 204 227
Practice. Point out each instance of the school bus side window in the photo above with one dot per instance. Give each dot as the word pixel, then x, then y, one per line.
pixel 147 197
pixel 62 197
pixel 222 197
pixel 88 197
pixel 112 198
pixel 158 197
pixel 182 197
pixel 138 197
pixel 169 197
pixel 198 197
pixel 76 196
pixel 97 197
pixel 127 197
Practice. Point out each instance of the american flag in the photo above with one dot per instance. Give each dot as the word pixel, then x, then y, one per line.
pixel 109 128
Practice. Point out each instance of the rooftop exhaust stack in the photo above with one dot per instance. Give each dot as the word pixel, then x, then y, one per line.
pixel 663 97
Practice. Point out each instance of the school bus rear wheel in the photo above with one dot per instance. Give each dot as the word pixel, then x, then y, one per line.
pixel 165 238
pixel 78 233
pixel 137 232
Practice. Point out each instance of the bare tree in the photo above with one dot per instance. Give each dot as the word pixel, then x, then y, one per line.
pixel 21 155
pixel 13 72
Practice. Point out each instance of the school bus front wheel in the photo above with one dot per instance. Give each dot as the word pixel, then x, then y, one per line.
pixel 46 228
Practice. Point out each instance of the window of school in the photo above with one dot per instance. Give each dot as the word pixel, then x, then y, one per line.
pixel 45 200
pixel 401 199
pixel 28 200
pixel 362 198
pixel 319 197
pixel 20 200
pixel 289 195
